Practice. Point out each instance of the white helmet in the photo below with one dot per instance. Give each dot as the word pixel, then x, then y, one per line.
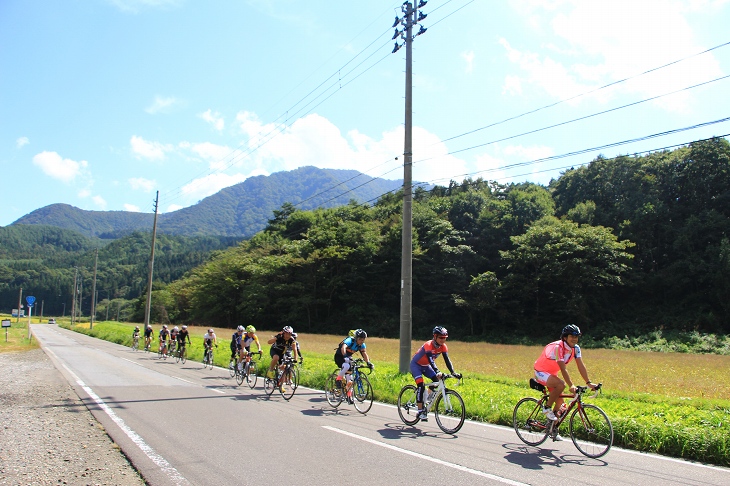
pixel 175 328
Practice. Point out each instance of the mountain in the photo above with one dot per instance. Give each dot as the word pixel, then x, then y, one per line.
pixel 240 211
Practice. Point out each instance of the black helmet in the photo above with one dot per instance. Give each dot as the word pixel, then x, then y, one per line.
pixel 440 331
pixel 571 329
pixel 359 333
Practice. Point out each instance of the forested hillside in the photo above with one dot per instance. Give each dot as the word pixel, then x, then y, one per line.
pixel 43 261
pixel 620 246
pixel 238 211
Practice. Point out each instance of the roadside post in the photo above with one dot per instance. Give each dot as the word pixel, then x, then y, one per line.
pixel 30 300
pixel 6 325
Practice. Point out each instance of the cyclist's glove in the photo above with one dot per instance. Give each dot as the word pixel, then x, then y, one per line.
pixel 457 376
pixel 371 365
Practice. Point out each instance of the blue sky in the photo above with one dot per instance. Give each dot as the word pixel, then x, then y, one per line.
pixel 103 102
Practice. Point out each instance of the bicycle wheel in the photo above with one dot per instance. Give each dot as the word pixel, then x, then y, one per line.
pixel 362 391
pixel 591 431
pixel 232 367
pixel 135 344
pixel 159 353
pixel 270 383
pixel 333 394
pixel 183 355
pixel 450 412
pixel 407 406
pixel 290 382
pixel 252 375
pixel 177 355
pixel 529 422
pixel 210 359
pixel 239 375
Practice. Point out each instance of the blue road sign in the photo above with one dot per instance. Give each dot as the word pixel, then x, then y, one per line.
pixel 30 300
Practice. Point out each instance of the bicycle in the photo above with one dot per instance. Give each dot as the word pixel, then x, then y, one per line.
pixel 208 357
pixel 171 347
pixel 135 343
pixel 249 371
pixel 147 345
pixel 182 354
pixel 286 378
pixel 446 403
pixel 162 350
pixel 360 393
pixel 590 428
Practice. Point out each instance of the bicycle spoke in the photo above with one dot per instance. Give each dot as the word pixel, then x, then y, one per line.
pixel 529 422
pixel 251 375
pixel 591 431
pixel 407 406
pixel 362 392
pixel 331 392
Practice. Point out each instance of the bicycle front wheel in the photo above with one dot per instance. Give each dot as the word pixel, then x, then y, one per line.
pixel 210 359
pixel 270 383
pixel 252 375
pixel 183 355
pixel 362 392
pixel 529 422
pixel 239 375
pixel 331 392
pixel 450 407
pixel 407 406
pixel 591 431
pixel 232 367
pixel 289 382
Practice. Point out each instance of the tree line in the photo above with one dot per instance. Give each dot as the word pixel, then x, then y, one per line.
pixel 620 246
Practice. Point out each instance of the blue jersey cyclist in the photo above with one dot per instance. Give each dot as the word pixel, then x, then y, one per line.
pixel 423 363
pixel 343 356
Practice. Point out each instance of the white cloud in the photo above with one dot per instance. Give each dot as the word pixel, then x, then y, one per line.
pixel 173 207
pixel 99 201
pixel 651 33
pixel 84 193
pixel 528 153
pixel 468 57
pixel 131 207
pixel 140 183
pixel 149 150
pixel 162 105
pixel 210 184
pixel 218 156
pixel 214 119
pixel 53 165
pixel 21 142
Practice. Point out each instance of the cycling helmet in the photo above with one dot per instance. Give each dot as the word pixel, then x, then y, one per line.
pixel 210 331
pixel 571 329
pixel 184 326
pixel 288 329
pixel 360 334
pixel 164 326
pixel 149 326
pixel 136 328
pixel 440 331
pixel 250 329
pixel 239 328
pixel 175 328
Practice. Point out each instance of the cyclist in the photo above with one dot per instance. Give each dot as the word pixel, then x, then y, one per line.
pixel 183 335
pixel 280 342
pixel 209 340
pixel 135 333
pixel 554 359
pixel 164 335
pixel 299 350
pixel 423 363
pixel 149 335
pixel 173 339
pixel 343 357
pixel 247 339
pixel 236 343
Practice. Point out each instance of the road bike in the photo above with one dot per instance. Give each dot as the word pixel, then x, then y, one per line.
pixel 162 350
pixel 208 357
pixel 249 371
pixel 171 348
pixel 589 426
pixel 286 378
pixel 447 405
pixel 181 356
pixel 359 393
pixel 147 346
pixel 135 343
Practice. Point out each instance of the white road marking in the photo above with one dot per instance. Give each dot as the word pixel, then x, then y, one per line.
pixel 165 466
pixel 428 458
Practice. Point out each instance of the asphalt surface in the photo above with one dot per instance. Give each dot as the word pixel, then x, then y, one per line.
pixel 182 424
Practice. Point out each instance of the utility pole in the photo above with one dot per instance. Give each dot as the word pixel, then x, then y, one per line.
pixel 20 301
pixel 410 18
pixel 93 292
pixel 73 302
pixel 152 265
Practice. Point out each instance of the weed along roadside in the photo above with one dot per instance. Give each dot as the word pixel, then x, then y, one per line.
pixel 681 414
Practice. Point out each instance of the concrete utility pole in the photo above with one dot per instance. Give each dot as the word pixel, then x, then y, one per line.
pixel 73 302
pixel 93 292
pixel 152 265
pixel 410 18
pixel 20 301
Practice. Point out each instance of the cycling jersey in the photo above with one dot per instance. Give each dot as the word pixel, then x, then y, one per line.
pixel 554 352
pixel 281 344
pixel 182 336
pixel 148 333
pixel 164 333
pixel 246 341
pixel 236 341
pixel 428 353
pixel 351 346
pixel 173 334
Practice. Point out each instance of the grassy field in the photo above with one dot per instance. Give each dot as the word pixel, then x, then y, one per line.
pixel 17 334
pixel 669 403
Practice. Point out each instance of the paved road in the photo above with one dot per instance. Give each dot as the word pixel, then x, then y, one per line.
pixel 182 424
